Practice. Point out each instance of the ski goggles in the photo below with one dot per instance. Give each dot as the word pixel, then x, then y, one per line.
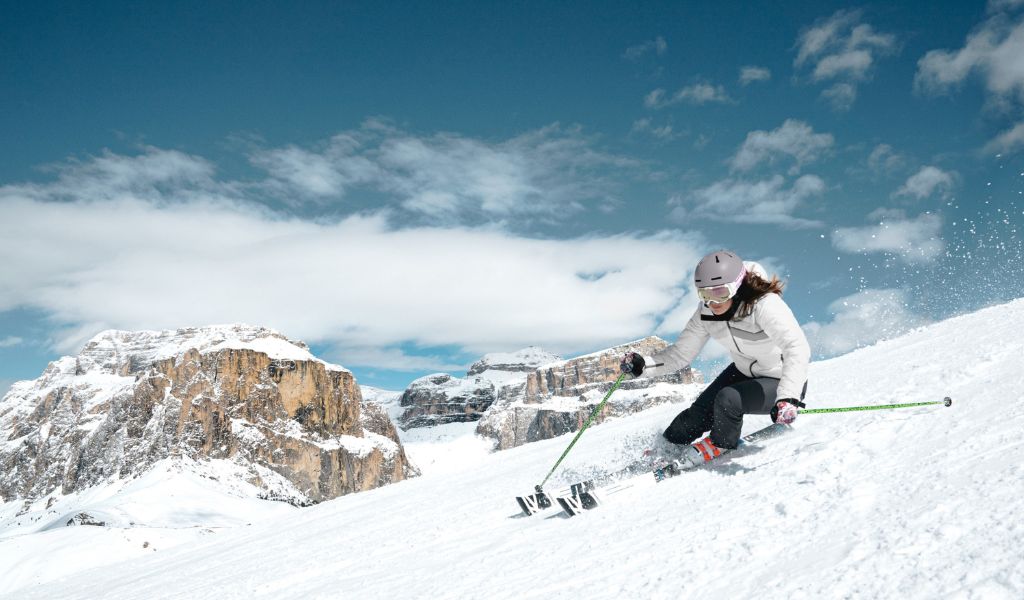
pixel 717 294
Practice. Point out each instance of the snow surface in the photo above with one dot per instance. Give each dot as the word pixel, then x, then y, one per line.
pixel 918 503
pixel 437 449
pixel 389 400
pixel 174 503
pixel 532 355
pixel 447 448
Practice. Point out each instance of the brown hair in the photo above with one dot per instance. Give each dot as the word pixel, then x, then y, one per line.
pixel 753 288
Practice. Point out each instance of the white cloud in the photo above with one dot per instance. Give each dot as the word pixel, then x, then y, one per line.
pixel 355 283
pixel 862 319
pixel 549 172
pixel 844 49
pixel 698 93
pixel 883 159
pixel 850 63
pixel 995 50
pixel 327 173
pixel 657 46
pixel 5 386
pixel 655 98
pixel 816 40
pixel 662 132
pixel 793 138
pixel 1007 141
pixel 917 240
pixel 926 182
pixel 841 96
pixel 154 173
pixel 768 201
pixel 702 93
pixel 750 74
pixel 10 341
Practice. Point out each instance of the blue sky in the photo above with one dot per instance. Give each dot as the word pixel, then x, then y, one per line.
pixel 407 186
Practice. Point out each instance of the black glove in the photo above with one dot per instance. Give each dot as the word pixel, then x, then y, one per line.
pixel 632 363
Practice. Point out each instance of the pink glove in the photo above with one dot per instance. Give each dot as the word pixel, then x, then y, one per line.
pixel 784 412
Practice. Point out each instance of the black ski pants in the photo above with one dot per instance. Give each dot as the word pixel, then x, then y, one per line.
pixel 721 406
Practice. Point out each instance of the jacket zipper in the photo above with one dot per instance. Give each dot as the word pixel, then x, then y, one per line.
pixel 735 343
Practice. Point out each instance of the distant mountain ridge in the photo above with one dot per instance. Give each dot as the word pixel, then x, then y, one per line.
pixel 531 394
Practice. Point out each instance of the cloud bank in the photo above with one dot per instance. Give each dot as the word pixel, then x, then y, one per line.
pixel 437 177
pixel 159 243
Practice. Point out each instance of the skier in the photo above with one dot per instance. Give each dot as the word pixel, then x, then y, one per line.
pixel 743 310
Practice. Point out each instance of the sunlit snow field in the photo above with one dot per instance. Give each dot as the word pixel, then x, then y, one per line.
pixel 918 503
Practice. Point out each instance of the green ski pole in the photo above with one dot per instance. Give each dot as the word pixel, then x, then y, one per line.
pixel 947 401
pixel 586 424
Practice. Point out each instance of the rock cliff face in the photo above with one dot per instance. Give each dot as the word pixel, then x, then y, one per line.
pixel 533 395
pixel 557 398
pixel 237 393
pixel 440 398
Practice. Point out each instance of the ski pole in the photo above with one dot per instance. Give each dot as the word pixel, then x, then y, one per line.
pixel 582 429
pixel 947 401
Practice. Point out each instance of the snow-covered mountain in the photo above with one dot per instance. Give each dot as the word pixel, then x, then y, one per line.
pixel 509 367
pixel 914 503
pixel 288 423
pixel 533 395
pixel 440 398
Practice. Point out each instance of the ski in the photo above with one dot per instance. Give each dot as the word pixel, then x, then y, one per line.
pixel 540 500
pixel 534 503
pixel 582 496
pixel 586 496
pixel 675 467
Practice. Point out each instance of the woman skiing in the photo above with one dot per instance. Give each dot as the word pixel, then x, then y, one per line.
pixel 744 311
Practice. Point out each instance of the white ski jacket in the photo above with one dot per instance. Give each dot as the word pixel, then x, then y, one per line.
pixel 767 343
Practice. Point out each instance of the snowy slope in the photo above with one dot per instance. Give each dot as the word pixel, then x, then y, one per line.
pixel 440 448
pixel 921 503
pixel 174 503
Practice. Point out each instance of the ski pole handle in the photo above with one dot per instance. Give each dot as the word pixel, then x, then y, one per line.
pixel 947 401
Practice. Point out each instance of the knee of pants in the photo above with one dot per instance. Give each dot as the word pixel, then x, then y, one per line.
pixel 674 436
pixel 729 401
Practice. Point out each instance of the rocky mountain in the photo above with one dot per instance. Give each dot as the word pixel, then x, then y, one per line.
pixel 532 395
pixel 556 398
pixel 441 398
pixel 294 423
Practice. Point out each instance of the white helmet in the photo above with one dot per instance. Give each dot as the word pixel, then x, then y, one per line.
pixel 718 276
